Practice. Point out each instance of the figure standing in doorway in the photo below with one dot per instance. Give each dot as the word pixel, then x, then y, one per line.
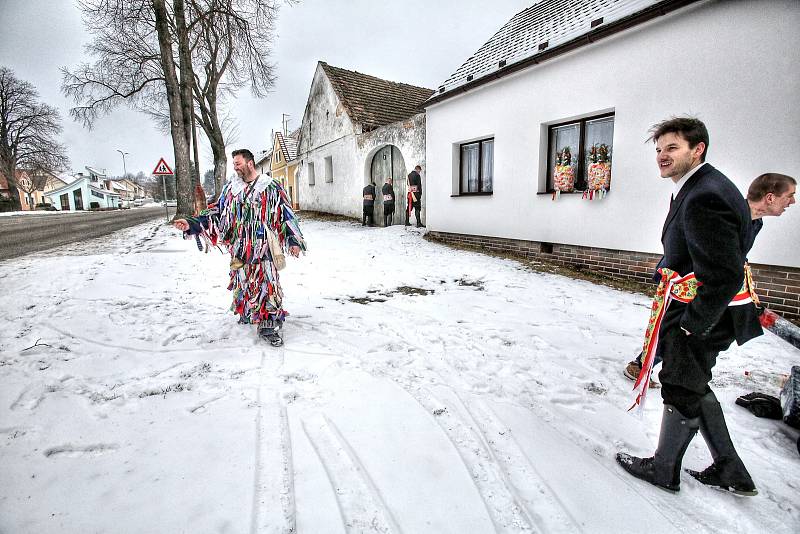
pixel 388 201
pixel 414 201
pixel 369 204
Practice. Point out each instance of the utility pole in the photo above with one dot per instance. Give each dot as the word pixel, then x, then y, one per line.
pixel 285 123
pixel 125 175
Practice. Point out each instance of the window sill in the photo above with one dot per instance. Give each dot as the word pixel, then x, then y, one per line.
pixel 576 192
pixel 487 194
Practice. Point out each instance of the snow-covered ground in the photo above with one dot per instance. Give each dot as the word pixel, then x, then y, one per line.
pixel 420 390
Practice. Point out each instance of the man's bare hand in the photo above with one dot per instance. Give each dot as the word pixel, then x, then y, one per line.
pixel 294 251
pixel 181 224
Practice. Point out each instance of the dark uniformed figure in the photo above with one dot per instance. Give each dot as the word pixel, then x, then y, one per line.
pixel 414 195
pixel 388 202
pixel 369 205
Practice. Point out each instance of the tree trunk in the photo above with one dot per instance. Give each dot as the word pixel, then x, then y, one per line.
pixel 177 122
pixel 186 87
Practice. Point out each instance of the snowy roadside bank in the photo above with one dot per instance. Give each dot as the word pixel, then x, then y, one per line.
pixel 421 389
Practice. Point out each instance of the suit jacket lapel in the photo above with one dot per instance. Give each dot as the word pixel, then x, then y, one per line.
pixel 676 203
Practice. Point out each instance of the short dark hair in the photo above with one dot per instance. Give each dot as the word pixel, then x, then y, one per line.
pixel 418 168
pixel 246 154
pixel 690 128
pixel 770 182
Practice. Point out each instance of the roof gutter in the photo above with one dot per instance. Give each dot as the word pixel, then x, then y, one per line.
pixel 603 31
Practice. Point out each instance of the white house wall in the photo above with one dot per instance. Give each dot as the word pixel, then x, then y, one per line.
pixel 733 64
pixel 331 134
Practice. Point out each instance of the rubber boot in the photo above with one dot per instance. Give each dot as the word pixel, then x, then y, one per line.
pixel 728 471
pixel 663 469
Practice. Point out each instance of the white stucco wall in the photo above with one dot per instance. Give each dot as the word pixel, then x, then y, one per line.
pixel 733 64
pixel 327 131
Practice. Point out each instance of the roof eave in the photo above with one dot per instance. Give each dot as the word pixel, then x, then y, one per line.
pixel 597 34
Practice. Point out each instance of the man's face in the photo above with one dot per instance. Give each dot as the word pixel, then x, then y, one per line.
pixel 674 156
pixel 240 165
pixel 777 204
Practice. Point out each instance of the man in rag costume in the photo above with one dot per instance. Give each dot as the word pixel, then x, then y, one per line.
pixel 254 220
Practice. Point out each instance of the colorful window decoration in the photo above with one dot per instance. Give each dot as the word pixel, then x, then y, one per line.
pixel 579 157
pixel 599 171
pixel 564 173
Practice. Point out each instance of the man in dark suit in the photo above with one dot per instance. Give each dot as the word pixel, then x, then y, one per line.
pixel 414 201
pixel 368 193
pixel 388 201
pixel 707 234
pixel 768 196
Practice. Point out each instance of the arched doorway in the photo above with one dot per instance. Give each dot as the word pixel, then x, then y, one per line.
pixel 388 161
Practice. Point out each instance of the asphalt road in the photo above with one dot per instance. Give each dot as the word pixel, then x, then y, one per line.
pixel 23 234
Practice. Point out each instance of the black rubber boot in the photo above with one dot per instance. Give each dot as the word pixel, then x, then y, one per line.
pixel 269 330
pixel 728 471
pixel 663 469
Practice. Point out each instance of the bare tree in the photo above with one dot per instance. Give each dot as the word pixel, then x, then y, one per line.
pixel 28 130
pixel 223 45
pixel 232 47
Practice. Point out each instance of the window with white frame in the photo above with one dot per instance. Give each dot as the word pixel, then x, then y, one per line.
pixel 310 173
pixel 329 169
pixel 476 167
pixel 579 154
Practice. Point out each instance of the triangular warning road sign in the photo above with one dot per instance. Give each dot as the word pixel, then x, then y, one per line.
pixel 162 168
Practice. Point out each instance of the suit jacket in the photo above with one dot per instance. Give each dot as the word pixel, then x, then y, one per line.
pixel 709 231
pixel 369 195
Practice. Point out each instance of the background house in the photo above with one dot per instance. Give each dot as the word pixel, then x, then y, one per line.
pixel 84 192
pixel 263 162
pixel 285 163
pixel 357 128
pixel 583 74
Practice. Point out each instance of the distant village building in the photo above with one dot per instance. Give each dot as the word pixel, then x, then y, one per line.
pixel 84 192
pixel 31 187
pixel 284 166
pixel 264 162
pixel 537 142
pixel 358 128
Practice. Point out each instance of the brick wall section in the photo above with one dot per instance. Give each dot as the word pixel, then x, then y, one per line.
pixel 778 287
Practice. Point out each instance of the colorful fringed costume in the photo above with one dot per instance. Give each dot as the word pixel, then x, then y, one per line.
pixel 240 221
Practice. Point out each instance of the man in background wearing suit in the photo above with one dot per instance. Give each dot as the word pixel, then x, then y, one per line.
pixel 706 238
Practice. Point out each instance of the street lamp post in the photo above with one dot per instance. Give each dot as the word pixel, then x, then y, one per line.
pixel 125 171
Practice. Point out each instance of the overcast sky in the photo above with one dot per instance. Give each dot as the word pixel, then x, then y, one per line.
pixel 420 42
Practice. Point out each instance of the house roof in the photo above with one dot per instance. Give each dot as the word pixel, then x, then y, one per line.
pixel 96 172
pixel 19 173
pixel 288 144
pixel 546 29
pixel 262 156
pixel 374 102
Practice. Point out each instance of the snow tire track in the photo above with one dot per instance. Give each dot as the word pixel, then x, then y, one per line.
pixel 273 474
pixel 360 503
pixel 507 453
pixel 501 501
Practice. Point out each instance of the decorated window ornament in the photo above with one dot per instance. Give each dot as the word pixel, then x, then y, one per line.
pixel 564 173
pixel 599 172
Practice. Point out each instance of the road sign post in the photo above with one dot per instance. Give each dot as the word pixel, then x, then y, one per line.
pixel 163 170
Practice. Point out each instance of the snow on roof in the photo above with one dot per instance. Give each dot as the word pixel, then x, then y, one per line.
pixel 537 30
